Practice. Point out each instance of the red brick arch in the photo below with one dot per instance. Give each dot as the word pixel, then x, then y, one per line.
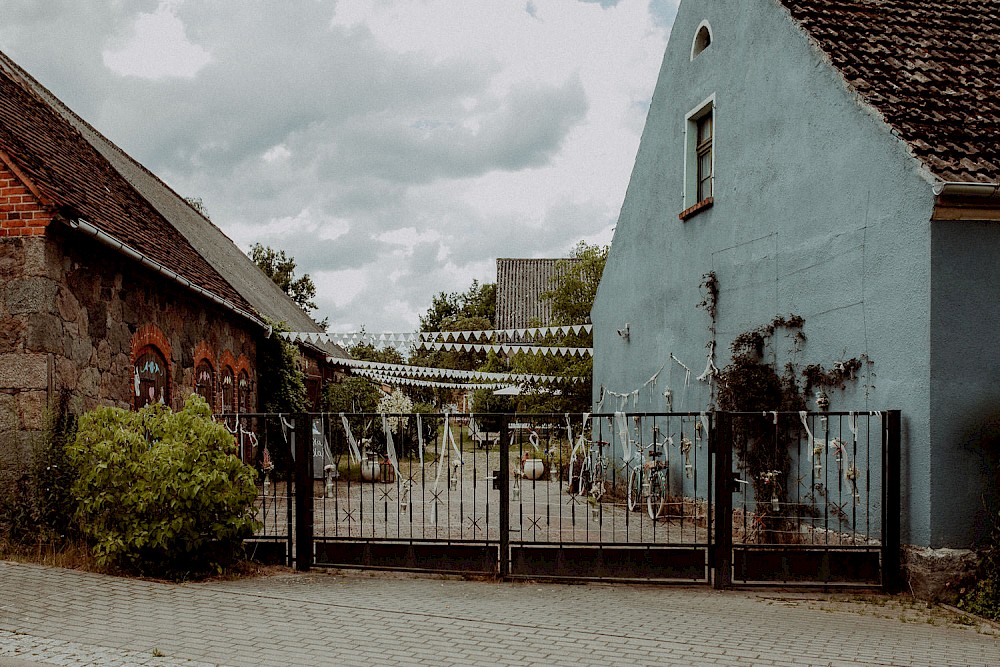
pixel 205 352
pixel 150 335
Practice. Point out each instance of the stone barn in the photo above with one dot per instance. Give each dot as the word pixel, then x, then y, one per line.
pixel 112 286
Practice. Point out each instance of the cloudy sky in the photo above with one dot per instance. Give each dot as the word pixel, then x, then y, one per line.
pixel 395 148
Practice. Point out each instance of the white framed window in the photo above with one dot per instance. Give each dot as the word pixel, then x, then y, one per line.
pixel 699 157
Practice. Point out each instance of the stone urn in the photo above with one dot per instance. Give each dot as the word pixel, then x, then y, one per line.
pixel 533 468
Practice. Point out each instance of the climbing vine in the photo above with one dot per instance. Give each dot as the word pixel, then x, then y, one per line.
pixel 755 383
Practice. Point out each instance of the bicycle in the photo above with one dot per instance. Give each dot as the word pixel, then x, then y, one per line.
pixel 590 479
pixel 650 480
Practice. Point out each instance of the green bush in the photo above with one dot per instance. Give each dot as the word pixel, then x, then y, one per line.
pixel 161 493
pixel 984 598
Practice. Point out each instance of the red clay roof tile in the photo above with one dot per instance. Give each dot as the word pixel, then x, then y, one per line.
pixel 930 67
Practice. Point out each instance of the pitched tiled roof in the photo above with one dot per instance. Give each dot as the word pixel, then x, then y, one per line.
pixel 520 284
pixel 75 166
pixel 930 67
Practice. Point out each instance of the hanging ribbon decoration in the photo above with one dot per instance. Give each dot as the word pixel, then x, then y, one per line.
pixel 420 440
pixel 622 426
pixel 390 446
pixel 352 444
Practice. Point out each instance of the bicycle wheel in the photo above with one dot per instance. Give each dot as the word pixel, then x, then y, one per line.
pixel 634 489
pixel 657 497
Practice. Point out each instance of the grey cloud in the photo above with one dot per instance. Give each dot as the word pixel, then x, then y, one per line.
pixel 603 3
pixel 523 130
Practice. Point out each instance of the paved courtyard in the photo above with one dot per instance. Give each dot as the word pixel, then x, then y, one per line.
pixel 64 617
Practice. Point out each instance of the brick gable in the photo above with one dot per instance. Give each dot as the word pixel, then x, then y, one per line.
pixel 21 211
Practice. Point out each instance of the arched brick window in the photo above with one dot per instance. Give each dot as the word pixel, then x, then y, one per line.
pixel 151 377
pixel 228 383
pixel 204 382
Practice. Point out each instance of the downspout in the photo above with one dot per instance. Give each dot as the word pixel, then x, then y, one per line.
pixel 110 241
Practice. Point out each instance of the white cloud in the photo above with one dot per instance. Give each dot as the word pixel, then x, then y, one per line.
pixel 156 47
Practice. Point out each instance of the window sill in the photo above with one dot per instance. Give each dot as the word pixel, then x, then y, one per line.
pixel 697 208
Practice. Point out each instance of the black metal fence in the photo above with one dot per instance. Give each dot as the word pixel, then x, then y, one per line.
pixel 696 497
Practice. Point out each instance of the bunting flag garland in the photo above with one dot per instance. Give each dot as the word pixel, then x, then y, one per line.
pixel 496 340
pixel 395 381
pixel 508 350
pixel 449 373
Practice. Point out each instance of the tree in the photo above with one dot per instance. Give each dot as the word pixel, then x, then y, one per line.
pixel 280 268
pixel 576 284
pixel 472 310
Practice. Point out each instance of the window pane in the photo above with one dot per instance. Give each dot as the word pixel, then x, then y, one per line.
pixel 705 128
pixel 704 176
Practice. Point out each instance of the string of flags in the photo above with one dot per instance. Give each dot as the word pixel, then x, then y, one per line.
pixel 402 370
pixel 505 341
pixel 507 350
pixel 410 382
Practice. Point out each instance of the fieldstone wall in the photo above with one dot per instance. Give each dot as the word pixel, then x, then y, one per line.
pixel 70 310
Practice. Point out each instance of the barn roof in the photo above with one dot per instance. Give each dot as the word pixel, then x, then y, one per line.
pixel 929 67
pixel 76 168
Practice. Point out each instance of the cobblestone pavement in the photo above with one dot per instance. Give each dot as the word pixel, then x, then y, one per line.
pixel 64 617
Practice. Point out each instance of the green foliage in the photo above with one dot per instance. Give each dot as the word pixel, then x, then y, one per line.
pixel 984 597
pixel 478 302
pixel 161 493
pixel 283 386
pixel 368 352
pixel 40 507
pixel 280 268
pixel 353 394
pixel 576 284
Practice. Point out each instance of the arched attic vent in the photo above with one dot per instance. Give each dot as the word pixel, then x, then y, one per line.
pixel 702 39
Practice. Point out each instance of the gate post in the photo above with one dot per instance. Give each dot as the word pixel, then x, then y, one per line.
pixel 722 550
pixel 302 444
pixel 504 497
pixel 891 502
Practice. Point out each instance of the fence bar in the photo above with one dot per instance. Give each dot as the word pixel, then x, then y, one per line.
pixel 303 447
pixel 504 523
pixel 722 547
pixel 891 502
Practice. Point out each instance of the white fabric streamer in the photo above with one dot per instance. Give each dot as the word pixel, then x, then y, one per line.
pixel 420 440
pixel 352 444
pixel 390 446
pixel 621 423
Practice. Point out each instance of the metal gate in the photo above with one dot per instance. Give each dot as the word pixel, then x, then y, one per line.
pixel 658 497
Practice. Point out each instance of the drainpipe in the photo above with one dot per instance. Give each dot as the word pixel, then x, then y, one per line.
pixel 110 241
pixel 960 189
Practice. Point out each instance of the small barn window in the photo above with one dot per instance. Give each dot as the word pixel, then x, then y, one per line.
pixel 150 378
pixel 228 389
pixel 702 39
pixel 204 382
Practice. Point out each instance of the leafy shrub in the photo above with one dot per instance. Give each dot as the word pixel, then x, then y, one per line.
pixel 161 492
pixel 984 598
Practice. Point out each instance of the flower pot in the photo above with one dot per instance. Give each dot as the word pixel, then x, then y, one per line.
pixel 533 468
